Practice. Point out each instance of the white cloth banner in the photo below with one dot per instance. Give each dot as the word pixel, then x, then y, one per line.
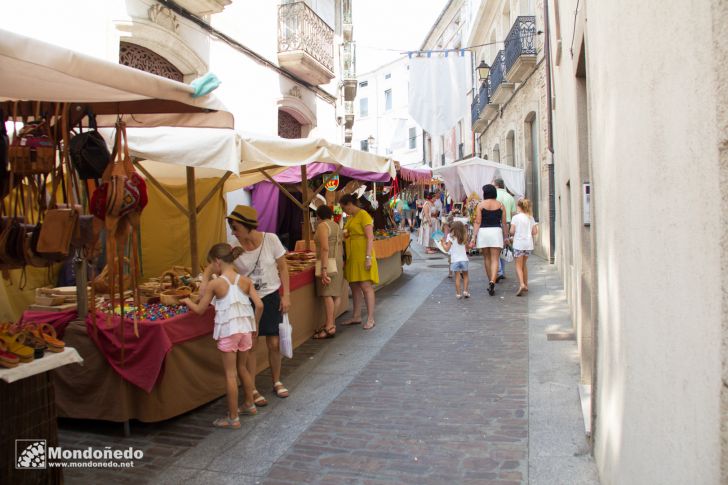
pixel 437 91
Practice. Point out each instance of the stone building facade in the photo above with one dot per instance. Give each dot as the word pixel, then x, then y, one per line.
pixel 509 118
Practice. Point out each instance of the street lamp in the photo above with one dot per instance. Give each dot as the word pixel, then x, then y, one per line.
pixel 483 71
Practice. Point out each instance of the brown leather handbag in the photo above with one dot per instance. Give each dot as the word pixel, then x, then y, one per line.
pixel 11 236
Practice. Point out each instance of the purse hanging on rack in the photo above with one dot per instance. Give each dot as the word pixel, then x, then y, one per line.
pixel 32 150
pixel 59 223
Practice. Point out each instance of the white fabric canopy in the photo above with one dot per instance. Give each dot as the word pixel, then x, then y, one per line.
pixel 214 151
pixel 468 176
pixel 32 70
pixel 437 91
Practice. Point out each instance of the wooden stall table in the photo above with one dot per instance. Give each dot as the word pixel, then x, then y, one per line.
pixel 388 253
pixel 28 410
pixel 173 368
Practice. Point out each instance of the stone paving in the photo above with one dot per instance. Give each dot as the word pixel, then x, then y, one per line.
pixel 440 391
pixel 445 400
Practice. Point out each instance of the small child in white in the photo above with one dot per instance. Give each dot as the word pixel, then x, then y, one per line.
pixel 523 229
pixel 237 313
pixel 455 244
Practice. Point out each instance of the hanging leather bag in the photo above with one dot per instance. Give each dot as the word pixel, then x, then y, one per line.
pixel 11 237
pixel 32 150
pixel 59 223
pixel 89 154
pixel 4 172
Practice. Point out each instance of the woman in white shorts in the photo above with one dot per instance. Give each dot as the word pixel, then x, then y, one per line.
pixel 490 232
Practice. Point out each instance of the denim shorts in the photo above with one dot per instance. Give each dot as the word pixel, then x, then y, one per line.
pixel 459 266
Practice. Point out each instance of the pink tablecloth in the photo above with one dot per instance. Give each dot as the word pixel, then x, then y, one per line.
pixel 58 320
pixel 139 360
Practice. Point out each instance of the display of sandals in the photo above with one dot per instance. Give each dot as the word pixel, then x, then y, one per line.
pixel 23 343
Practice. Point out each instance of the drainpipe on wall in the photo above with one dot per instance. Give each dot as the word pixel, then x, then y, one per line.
pixel 550 137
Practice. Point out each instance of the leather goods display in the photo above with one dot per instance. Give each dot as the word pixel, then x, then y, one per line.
pixel 4 172
pixel 32 150
pixel 89 154
pixel 56 232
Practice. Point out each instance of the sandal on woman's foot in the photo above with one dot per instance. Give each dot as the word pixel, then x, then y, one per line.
pixel 227 422
pixel 520 291
pixel 351 321
pixel 466 294
pixel 324 333
pixel 280 390
pixel 491 288
pixel 369 325
pixel 251 411
pixel 259 400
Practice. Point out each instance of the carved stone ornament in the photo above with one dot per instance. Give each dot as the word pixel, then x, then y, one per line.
pixel 295 91
pixel 163 16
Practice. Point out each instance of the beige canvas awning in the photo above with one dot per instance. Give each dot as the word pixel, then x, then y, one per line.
pixel 32 70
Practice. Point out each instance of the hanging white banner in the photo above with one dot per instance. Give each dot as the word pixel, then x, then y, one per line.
pixel 437 91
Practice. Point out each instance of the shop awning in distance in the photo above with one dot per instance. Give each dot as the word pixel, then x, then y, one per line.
pixel 415 173
pixel 32 70
pixel 468 176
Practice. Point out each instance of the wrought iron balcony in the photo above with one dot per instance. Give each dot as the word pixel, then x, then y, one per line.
pixel 348 22
pixel 477 109
pixel 305 43
pixel 520 49
pixel 500 90
pixel 348 114
pixel 348 68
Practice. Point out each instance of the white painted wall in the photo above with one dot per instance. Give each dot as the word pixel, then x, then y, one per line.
pixel 654 154
pixel 250 90
pixel 390 128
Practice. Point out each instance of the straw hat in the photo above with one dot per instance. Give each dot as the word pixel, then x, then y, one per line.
pixel 244 214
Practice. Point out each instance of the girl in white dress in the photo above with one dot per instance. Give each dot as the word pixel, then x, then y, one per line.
pixel 523 229
pixel 236 322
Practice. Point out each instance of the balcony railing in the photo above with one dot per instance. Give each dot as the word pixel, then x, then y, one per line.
pixel 480 101
pixel 348 60
pixel 300 29
pixel 497 71
pixel 346 7
pixel 521 40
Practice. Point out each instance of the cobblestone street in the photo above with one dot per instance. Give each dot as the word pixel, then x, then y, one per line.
pixel 442 391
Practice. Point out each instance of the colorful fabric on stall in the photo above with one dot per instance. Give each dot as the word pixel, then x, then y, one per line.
pixel 58 320
pixel 140 359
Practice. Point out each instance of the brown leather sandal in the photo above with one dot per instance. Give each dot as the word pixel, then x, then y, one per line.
pixel 324 333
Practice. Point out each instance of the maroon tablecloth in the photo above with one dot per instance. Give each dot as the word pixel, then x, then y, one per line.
pixel 139 360
pixel 58 320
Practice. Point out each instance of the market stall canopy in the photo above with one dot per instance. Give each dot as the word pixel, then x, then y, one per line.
pixel 415 173
pixel 468 176
pixel 32 70
pixel 275 154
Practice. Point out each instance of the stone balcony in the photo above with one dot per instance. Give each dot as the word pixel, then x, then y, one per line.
pixel 348 63
pixel 500 90
pixel 305 43
pixel 520 49
pixel 348 114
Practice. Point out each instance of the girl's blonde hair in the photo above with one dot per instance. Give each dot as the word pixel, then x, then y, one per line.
pixel 525 206
pixel 224 252
pixel 458 230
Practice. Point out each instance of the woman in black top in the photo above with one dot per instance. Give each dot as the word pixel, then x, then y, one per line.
pixel 490 232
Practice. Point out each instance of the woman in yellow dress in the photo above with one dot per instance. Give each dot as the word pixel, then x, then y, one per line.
pixel 361 263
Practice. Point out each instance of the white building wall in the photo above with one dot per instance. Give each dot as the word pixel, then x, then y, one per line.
pixel 653 150
pixel 251 91
pixel 389 127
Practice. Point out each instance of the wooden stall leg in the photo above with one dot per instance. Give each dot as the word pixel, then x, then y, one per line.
pixel 127 429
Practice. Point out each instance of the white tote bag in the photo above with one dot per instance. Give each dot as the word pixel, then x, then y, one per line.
pixel 285 334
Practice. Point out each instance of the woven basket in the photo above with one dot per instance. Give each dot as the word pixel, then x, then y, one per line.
pixel 173 297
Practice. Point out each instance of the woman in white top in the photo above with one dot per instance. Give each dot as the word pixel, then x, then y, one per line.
pixel 523 229
pixel 264 261
pixel 235 325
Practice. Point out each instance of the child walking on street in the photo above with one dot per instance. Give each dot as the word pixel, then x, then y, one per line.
pixel 523 229
pixel 455 245
pixel 235 325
